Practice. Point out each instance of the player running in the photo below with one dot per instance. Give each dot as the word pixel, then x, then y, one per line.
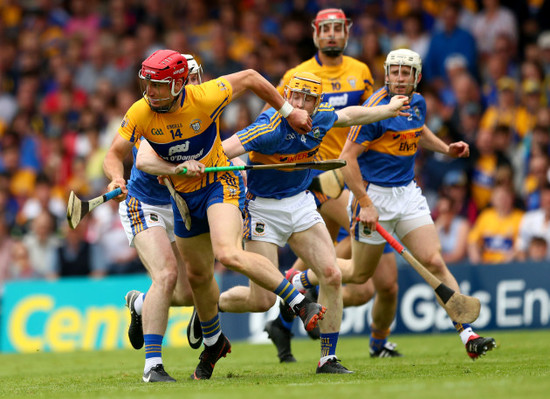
pixel 380 173
pixel 181 123
pixel 346 81
pixel 148 220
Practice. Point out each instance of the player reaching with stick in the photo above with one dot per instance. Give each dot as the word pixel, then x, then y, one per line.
pixel 346 81
pixel 181 123
pixel 279 209
pixel 380 173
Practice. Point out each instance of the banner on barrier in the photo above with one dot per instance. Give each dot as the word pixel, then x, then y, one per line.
pixel 90 314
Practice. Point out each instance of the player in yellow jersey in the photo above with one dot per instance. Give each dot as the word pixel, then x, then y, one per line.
pixel 181 123
pixel 346 81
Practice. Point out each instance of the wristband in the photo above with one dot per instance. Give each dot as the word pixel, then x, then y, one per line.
pixel 286 109
pixel 364 202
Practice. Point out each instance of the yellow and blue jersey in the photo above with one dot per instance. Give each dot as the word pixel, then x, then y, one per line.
pixel 189 133
pixel 270 139
pixel 495 234
pixel 349 83
pixel 390 145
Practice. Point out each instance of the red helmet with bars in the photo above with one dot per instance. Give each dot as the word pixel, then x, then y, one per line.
pixel 165 66
pixel 336 18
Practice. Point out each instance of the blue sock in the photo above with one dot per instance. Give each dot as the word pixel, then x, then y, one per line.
pixel 153 345
pixel 288 293
pixel 305 280
pixel 211 330
pixel 328 344
pixel 286 324
pixel 461 326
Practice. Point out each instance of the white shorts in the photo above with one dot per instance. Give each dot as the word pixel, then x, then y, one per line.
pixel 400 211
pixel 275 220
pixel 137 216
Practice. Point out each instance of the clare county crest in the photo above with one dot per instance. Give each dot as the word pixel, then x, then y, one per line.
pixel 196 125
pixel 259 229
pixel 352 82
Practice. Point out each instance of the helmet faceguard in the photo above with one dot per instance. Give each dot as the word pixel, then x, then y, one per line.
pixel 307 84
pixel 163 67
pixel 194 67
pixel 404 57
pixel 334 22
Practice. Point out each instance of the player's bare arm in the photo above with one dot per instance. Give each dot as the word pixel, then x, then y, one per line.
pixel 249 79
pixel 232 147
pixel 357 115
pixel 352 175
pixel 113 166
pixel 431 142
pixel 148 161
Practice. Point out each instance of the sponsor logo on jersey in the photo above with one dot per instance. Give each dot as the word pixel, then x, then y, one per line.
pixel 179 148
pixel 338 101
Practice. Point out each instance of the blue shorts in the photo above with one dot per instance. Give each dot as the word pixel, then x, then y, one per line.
pixel 229 188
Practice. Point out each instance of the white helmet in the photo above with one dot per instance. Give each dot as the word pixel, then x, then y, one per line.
pixel 406 57
pixel 194 66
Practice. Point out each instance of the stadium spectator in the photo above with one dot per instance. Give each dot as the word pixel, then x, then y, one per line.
pixel 42 243
pixel 452 229
pixel 494 235
pixel 535 223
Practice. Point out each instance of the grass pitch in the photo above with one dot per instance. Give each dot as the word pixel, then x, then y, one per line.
pixel 434 366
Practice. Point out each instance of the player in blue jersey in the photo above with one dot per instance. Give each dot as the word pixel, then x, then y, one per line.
pixel 346 81
pixel 181 124
pixel 380 174
pixel 148 220
pixel 280 209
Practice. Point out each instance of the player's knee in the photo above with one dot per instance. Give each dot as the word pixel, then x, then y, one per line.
pixel 199 279
pixel 388 290
pixel 230 258
pixel 358 278
pixel 332 276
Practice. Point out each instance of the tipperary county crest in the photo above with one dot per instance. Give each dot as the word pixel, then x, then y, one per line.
pixel 316 132
pixel 260 228
pixel 196 125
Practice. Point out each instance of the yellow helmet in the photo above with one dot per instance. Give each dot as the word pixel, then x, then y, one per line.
pixel 308 84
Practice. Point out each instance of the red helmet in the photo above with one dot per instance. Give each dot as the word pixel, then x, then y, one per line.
pixel 165 66
pixel 331 15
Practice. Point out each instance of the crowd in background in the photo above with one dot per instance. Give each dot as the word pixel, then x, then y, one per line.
pixel 68 72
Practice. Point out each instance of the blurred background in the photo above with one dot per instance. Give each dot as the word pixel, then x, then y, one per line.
pixel 68 73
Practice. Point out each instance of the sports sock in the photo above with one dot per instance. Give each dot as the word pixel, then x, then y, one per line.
pixel 153 350
pixel 286 324
pixel 378 337
pixel 301 281
pixel 211 330
pixel 138 303
pixel 328 346
pixel 288 293
pixel 464 330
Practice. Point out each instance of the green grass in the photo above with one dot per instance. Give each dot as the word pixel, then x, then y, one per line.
pixel 434 366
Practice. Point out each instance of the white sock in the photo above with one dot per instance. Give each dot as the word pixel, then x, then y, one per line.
pixel 212 340
pixel 298 299
pixel 138 303
pixel 150 363
pixel 466 334
pixel 297 283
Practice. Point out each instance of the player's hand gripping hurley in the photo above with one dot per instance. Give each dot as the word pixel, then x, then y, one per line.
pixel 460 308
pixel 77 209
